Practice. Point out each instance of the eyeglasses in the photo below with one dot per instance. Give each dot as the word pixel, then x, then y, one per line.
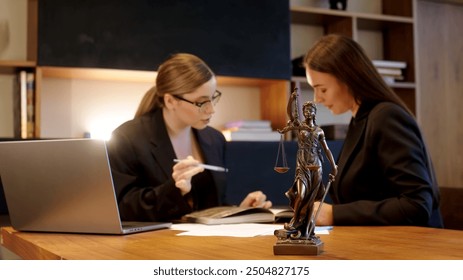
pixel 205 105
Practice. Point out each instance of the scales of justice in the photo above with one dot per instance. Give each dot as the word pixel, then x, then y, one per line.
pixel 298 236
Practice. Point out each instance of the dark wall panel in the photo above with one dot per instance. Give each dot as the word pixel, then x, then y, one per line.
pixel 246 38
pixel 251 164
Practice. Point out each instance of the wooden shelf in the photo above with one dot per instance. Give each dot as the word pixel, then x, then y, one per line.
pixel 13 66
pixel 98 74
pixel 17 63
pixel 387 36
pixel 319 14
pixel 139 76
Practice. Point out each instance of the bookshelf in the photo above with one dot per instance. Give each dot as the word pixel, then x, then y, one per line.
pixel 12 67
pixel 383 28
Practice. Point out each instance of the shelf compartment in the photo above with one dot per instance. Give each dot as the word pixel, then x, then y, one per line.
pixel 317 16
pixel 274 92
pixel 332 21
pixel 377 24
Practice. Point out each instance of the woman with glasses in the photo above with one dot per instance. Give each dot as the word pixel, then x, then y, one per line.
pixel 170 124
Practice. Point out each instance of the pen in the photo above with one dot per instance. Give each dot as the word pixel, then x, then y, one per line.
pixel 208 166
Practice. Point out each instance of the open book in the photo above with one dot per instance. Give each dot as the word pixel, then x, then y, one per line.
pixel 235 215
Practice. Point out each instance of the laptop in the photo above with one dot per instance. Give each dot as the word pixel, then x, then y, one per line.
pixel 63 186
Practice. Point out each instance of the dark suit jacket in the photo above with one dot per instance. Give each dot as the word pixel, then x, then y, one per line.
pixel 141 157
pixel 384 174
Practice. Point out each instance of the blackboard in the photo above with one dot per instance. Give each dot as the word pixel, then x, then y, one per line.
pixel 245 38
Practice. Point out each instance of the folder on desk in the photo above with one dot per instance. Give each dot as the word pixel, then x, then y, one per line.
pixel 63 186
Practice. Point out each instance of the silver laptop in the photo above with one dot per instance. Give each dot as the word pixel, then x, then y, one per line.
pixel 63 186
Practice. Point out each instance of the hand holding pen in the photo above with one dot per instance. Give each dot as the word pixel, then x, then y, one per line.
pixel 208 166
pixel 185 169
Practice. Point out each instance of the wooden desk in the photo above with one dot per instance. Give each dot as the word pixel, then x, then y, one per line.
pixel 358 243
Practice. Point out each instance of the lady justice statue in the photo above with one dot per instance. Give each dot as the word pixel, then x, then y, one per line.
pixel 298 235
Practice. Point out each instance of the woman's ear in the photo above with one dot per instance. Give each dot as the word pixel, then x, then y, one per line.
pixel 169 101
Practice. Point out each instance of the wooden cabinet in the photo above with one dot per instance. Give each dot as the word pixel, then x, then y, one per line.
pixel 440 84
pixel 383 28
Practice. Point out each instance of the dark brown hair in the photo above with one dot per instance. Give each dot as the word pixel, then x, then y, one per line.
pixel 345 59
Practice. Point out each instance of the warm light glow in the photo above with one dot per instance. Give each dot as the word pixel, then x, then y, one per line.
pixel 103 127
pixel 227 134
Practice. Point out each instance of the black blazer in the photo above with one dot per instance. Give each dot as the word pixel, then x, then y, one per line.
pixel 384 174
pixel 141 157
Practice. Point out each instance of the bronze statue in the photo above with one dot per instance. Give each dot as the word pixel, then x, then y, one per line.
pixel 308 186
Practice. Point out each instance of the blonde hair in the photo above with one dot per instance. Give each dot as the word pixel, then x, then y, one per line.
pixel 181 73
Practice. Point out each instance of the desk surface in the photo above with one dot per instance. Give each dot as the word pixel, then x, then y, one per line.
pixel 358 243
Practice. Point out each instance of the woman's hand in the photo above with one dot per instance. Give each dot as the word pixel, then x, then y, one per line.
pixel 183 171
pixel 325 217
pixel 256 199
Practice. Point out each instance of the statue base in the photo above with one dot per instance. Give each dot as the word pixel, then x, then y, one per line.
pixel 288 246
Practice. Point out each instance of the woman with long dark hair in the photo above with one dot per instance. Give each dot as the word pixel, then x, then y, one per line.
pixel 385 176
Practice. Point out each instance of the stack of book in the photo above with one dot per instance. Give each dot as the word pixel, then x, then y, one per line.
pixel 250 130
pixel 391 71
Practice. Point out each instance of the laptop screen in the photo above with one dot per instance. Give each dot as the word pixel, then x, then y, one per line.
pixel 59 186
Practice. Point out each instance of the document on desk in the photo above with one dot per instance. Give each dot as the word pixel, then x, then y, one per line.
pixel 234 230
